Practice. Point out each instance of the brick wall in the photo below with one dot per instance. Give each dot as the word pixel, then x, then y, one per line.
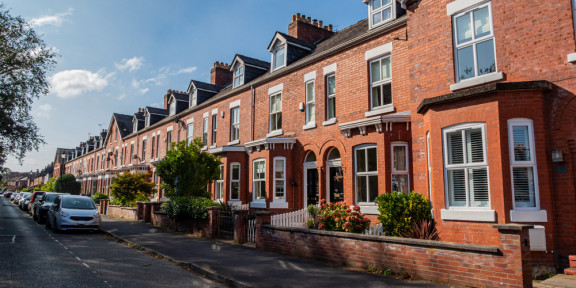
pixel 123 212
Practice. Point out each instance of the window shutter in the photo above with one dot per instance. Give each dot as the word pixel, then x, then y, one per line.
pixel 478 180
pixel 475 149
pixel 457 185
pixel 455 148
pixel 524 186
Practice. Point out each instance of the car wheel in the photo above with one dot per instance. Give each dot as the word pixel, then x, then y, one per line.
pixel 34 217
pixel 47 223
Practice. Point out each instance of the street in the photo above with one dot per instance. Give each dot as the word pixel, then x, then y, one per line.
pixel 33 256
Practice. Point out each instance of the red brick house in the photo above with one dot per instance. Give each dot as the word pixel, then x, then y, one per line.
pixel 470 102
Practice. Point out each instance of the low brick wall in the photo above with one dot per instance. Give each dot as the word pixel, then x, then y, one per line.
pixel 127 213
pixel 506 265
pixel 200 228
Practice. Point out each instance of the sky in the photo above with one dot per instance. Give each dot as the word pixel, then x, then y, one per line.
pixel 118 55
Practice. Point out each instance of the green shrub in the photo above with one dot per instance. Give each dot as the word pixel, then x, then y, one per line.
pixel 99 196
pixel 338 217
pixel 398 211
pixel 188 207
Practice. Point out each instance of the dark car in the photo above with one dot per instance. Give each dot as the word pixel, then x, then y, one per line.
pixel 35 197
pixel 41 208
pixel 8 194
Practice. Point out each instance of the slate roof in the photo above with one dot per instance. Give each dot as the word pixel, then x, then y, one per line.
pixel 124 123
pixel 253 61
pixel 157 111
pixel 181 96
pixel 205 86
pixel 293 40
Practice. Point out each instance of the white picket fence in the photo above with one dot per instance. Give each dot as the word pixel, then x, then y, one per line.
pixel 376 230
pixel 292 219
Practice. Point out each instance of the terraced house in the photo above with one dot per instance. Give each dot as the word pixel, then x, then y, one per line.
pixel 470 102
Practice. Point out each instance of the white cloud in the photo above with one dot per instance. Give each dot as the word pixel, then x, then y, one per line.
pixel 71 83
pixel 131 64
pixel 144 91
pixel 122 96
pixel 44 111
pixel 186 70
pixel 55 20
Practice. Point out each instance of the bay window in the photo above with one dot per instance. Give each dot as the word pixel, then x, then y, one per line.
pixel 366 173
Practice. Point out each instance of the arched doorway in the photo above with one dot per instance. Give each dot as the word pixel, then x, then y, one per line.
pixel 310 180
pixel 334 179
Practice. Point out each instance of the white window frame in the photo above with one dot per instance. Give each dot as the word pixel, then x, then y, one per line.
pixel 255 182
pixel 330 96
pixel 189 133
pixel 372 12
pixel 275 113
pixel 143 150
pixel 234 123
pixel 152 148
pixel 238 76
pixel 282 46
pixel 465 166
pixel 406 159
pixel 523 164
pixel 310 103
pixel 205 131
pixel 381 83
pixel 214 128
pixel 147 119
pixel 365 174
pixel 193 97
pixel 219 185
pixel 473 43
pixel 280 179
pixel 172 106
pixel 135 125
pixel 232 180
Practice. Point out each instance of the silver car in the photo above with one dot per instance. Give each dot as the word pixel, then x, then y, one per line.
pixel 72 212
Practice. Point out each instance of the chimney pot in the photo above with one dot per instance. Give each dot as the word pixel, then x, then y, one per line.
pixel 320 24
pixel 330 27
pixel 309 19
pixel 294 18
pixel 315 21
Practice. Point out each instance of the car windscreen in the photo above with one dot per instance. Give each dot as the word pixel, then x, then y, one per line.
pixel 50 197
pixel 78 203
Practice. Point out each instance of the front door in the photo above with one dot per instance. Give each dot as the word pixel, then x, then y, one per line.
pixel 311 186
pixel 336 184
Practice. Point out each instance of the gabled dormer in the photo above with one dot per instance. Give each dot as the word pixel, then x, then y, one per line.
pixel 286 50
pixel 138 120
pixel 200 91
pixel 152 115
pixel 176 102
pixel 245 69
pixel 382 11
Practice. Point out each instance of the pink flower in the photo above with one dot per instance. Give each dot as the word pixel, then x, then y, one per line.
pixel 347 224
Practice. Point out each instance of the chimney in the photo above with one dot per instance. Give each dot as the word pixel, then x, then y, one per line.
pixel 220 75
pixel 308 29
pixel 166 98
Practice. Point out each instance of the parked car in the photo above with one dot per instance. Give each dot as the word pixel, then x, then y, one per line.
pixel 35 196
pixel 72 212
pixel 8 194
pixel 24 199
pixel 41 207
pixel 15 197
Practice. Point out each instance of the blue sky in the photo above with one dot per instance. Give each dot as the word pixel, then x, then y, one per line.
pixel 118 55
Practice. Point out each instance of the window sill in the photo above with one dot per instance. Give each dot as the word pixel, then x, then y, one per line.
pixel 212 146
pixel 309 126
pixel 279 204
pixel 528 216
pixel 572 58
pixel 234 202
pixel 477 81
pixel 234 142
pixel 258 204
pixel 469 215
pixel 380 110
pixel 330 122
pixel 204 148
pixel 368 208
pixel 275 133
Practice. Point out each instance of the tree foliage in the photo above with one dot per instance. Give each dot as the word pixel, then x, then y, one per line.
pixel 193 167
pixel 399 211
pixel 67 184
pixel 128 188
pixel 49 186
pixel 24 61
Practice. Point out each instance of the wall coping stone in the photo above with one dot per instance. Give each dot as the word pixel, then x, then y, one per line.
pixel 258 213
pixel 395 240
pixel 514 227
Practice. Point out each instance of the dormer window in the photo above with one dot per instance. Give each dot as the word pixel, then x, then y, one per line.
pixel 279 56
pixel 134 125
pixel 238 75
pixel 172 106
pixel 147 119
pixel 193 97
pixel 381 11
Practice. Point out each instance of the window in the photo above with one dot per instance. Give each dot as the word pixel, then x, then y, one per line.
pixel 134 125
pixel 381 83
pixel 276 112
pixel 523 164
pixel 131 152
pixel 169 139
pixel 193 97
pixel 189 134
pixel 143 150
pixel 259 179
pixel 214 128
pixel 173 107
pixel 116 136
pixel 310 105
pixel 238 76
pixel 331 97
pixel 381 11
pixel 280 178
pixel 466 167
pixel 97 162
pixel 219 185
pixel 234 124
pixel 205 132
pixel 279 57
pixel 366 166
pixel 157 145
pixel 153 148
pixel 116 158
pixel 400 174
pixel 235 181
pixel 147 119
pixel 122 155
pixel 474 43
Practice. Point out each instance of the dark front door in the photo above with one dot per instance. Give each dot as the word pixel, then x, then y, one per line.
pixel 336 184
pixel 312 186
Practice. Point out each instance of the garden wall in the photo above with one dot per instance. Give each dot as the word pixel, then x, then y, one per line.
pixel 200 228
pixel 506 265
pixel 127 213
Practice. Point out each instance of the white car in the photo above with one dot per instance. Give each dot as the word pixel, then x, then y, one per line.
pixel 72 212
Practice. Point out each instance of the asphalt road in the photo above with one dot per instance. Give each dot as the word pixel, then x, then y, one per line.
pixel 33 256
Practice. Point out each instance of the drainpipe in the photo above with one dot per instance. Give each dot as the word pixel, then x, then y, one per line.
pixel 251 113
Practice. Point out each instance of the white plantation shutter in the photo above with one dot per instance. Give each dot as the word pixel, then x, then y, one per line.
pixel 455 148
pixel 457 186
pixel 523 164
pixel 474 149
pixel 478 183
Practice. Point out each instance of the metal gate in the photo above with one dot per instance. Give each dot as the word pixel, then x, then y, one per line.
pixel 226 225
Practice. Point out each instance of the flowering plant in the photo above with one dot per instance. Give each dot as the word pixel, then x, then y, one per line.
pixel 339 217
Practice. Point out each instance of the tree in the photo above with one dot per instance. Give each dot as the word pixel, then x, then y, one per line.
pixel 193 167
pixel 67 184
pixel 128 188
pixel 24 61
pixel 49 186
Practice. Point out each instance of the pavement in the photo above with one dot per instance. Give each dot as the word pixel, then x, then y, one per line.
pixel 244 266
